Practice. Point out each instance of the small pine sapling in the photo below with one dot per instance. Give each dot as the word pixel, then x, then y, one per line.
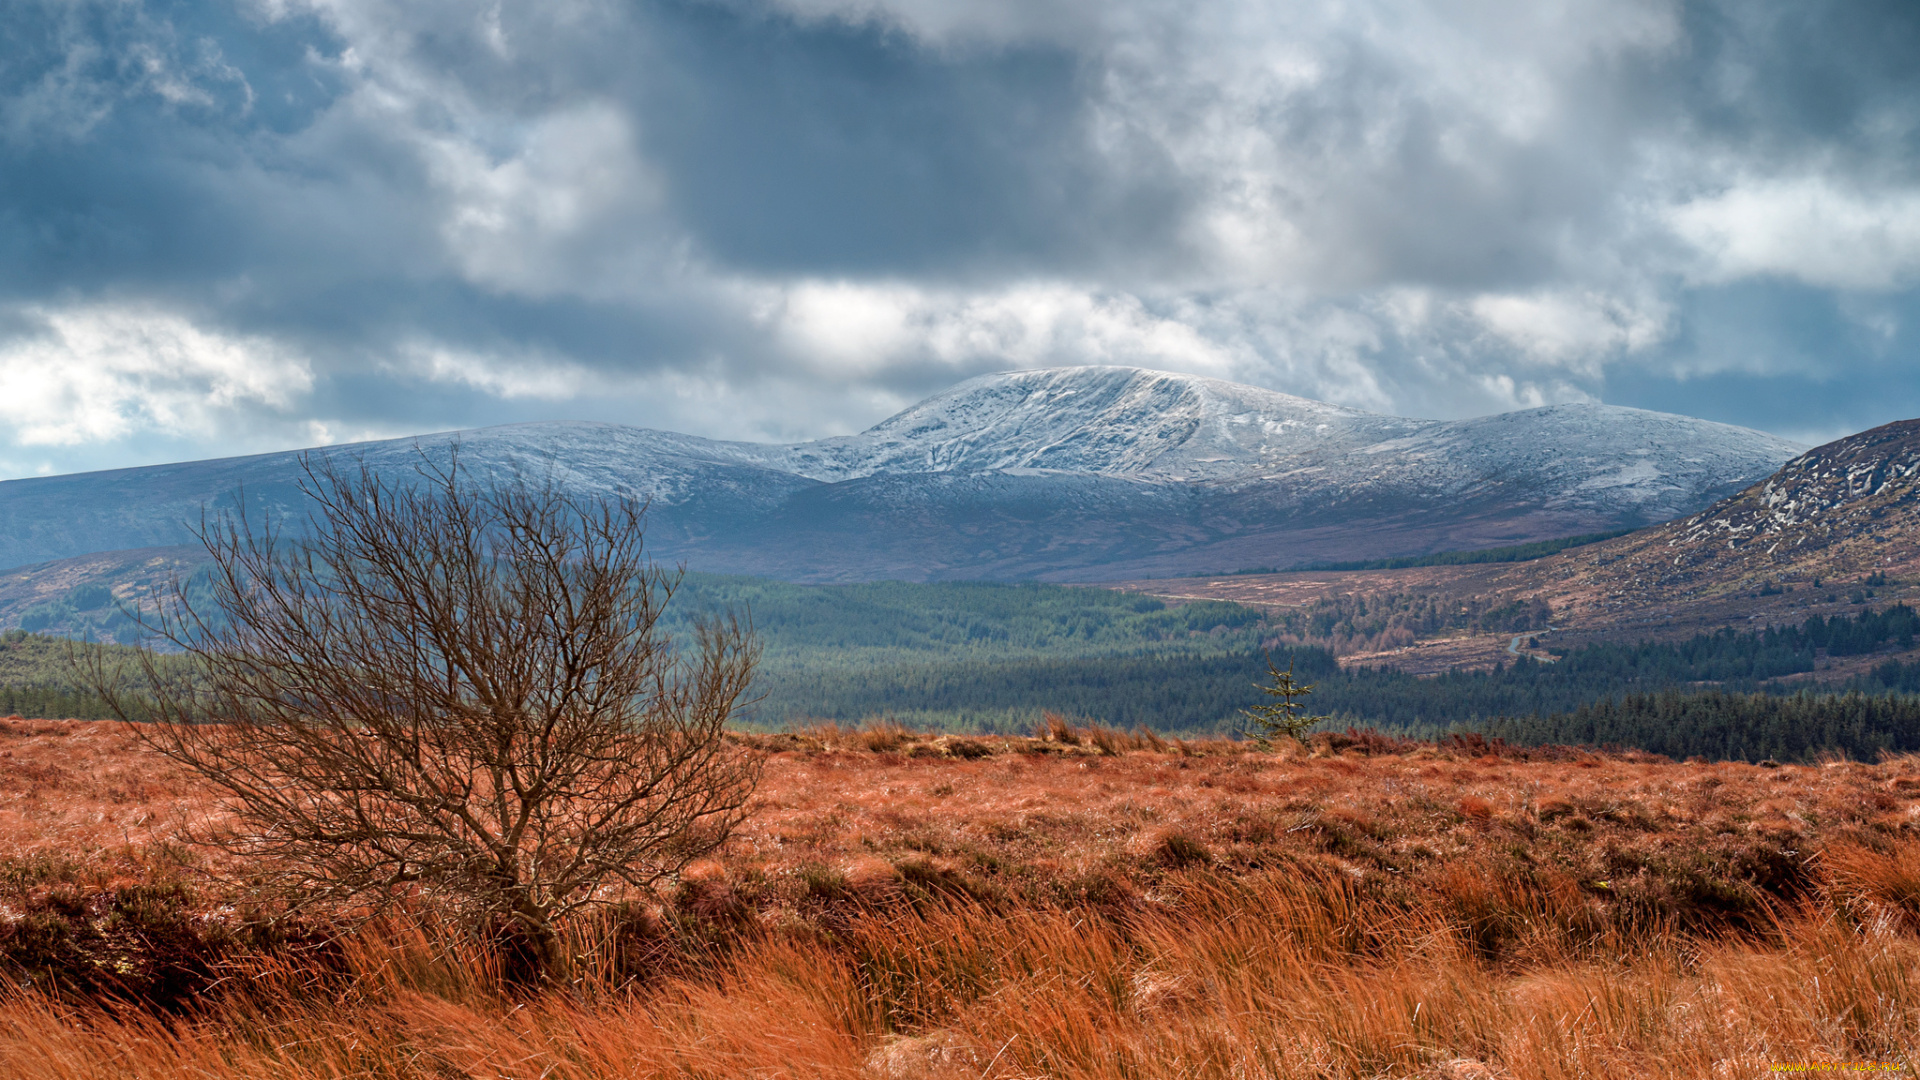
pixel 1286 717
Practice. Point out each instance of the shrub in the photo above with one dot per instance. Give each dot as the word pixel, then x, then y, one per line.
pixel 453 688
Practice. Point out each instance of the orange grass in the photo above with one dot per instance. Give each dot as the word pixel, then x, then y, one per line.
pixel 1059 908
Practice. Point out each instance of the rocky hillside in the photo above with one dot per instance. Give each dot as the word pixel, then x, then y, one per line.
pixel 1840 514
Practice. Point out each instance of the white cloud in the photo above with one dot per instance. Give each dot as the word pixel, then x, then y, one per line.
pixel 1575 330
pixel 1317 140
pixel 1808 228
pixel 541 196
pixel 535 221
pixel 141 56
pixel 974 22
pixel 509 375
pixel 845 326
pixel 1535 349
pixel 1290 127
pixel 850 328
pixel 1318 247
pixel 101 372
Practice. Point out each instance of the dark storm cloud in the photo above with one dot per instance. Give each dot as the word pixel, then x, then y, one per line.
pixel 134 135
pixel 1776 81
pixel 842 149
pixel 233 224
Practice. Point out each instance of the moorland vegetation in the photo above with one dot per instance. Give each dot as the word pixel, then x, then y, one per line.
pixel 1075 903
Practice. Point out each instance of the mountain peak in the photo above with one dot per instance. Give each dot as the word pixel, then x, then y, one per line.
pixel 1114 381
pixel 1113 421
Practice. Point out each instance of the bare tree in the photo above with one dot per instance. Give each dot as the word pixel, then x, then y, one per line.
pixel 451 688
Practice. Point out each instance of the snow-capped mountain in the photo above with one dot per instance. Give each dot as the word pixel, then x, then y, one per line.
pixel 1108 421
pixel 1063 473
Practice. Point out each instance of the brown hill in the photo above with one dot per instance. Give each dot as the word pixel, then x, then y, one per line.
pixel 1835 528
pixel 1838 513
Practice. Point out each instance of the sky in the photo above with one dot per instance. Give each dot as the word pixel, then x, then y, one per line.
pixel 234 226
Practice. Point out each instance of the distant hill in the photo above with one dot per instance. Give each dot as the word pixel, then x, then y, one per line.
pixel 1836 530
pixel 1840 513
pixel 1060 474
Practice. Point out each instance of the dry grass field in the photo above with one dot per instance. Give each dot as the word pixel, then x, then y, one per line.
pixel 1085 904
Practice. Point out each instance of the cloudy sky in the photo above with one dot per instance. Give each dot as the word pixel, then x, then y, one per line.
pixel 239 225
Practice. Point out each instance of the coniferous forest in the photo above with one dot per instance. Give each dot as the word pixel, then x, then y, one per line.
pixel 992 657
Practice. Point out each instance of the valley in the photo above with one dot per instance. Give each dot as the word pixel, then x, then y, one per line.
pixel 1577 617
pixel 1607 808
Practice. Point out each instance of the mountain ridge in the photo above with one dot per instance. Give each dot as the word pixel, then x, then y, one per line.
pixel 1054 474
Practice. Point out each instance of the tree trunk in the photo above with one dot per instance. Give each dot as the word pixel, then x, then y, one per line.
pixel 543 959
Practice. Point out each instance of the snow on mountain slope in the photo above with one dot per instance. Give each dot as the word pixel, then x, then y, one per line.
pixel 717 485
pixel 1108 420
pixel 1649 465
pixel 1164 427
pixel 583 456
pixel 1079 470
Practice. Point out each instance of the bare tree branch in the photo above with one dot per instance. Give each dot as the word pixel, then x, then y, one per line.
pixel 451 687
